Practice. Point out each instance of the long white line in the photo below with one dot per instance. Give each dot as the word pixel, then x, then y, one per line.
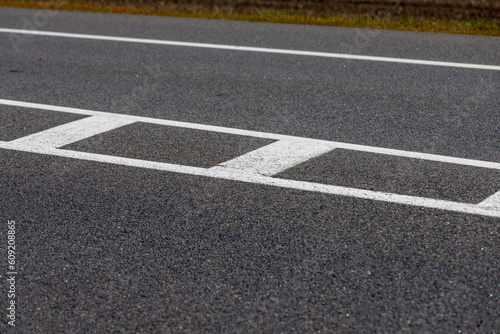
pixel 264 180
pixel 252 49
pixel 258 134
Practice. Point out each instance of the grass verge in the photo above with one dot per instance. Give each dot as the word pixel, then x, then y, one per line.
pixel 276 16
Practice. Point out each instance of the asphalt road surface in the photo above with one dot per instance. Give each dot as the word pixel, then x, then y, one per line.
pixel 163 187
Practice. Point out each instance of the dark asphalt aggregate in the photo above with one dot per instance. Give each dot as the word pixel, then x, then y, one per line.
pixel 115 249
pixel 173 145
pixel 398 175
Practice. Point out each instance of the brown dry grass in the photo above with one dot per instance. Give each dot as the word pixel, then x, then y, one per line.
pixel 451 16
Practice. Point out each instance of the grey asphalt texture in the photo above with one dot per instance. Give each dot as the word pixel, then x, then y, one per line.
pixel 169 144
pixel 115 249
pixel 398 175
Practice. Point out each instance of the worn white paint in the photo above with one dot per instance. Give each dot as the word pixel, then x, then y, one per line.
pixel 492 202
pixel 72 132
pixel 276 157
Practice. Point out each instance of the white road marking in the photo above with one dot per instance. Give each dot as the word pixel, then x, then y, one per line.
pixel 258 134
pixel 492 202
pixel 276 157
pixel 71 132
pixel 249 174
pixel 265 180
pixel 252 49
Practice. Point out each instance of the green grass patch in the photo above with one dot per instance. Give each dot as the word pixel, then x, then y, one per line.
pixel 276 16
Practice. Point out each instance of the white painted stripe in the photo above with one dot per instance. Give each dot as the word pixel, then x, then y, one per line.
pixel 250 133
pixel 492 202
pixel 276 157
pixel 421 156
pixel 71 132
pixel 252 49
pixel 264 180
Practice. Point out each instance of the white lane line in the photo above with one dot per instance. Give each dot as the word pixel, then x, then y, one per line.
pixel 71 132
pixel 492 202
pixel 421 156
pixel 264 180
pixel 252 49
pixel 258 134
pixel 276 157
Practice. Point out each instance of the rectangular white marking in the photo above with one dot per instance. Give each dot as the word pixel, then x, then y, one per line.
pixel 492 202
pixel 276 157
pixel 71 132
pixel 252 49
